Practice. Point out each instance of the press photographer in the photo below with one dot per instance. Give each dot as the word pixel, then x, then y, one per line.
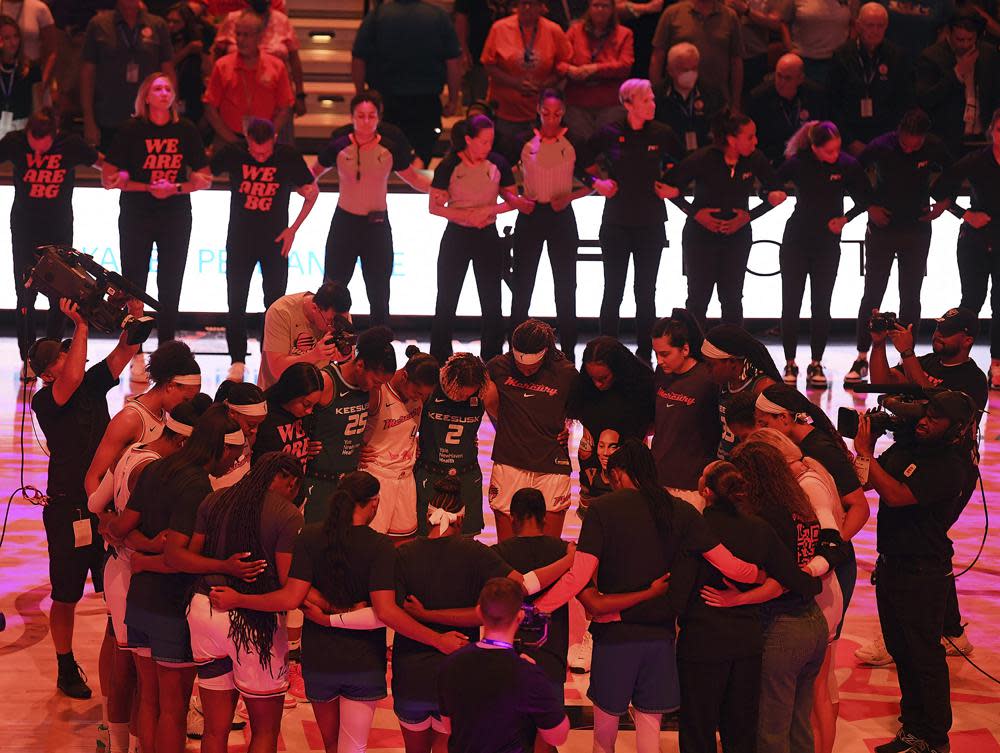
pixel 949 366
pixel 72 410
pixel 924 481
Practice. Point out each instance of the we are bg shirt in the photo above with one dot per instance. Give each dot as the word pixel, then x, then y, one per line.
pixel 259 191
pixel 150 153
pixel 43 183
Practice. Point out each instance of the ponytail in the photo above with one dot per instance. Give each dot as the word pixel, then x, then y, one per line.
pixel 812 133
pixel 354 490
pixel 728 486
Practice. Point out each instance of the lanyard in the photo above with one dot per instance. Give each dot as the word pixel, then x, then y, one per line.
pixel 8 87
pixel 790 118
pixel 529 46
pixel 595 51
pixel 688 104
pixel 247 91
pixel 496 643
pixel 867 72
pixel 357 152
pixel 131 39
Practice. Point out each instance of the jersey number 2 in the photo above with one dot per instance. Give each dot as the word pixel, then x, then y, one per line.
pixel 454 435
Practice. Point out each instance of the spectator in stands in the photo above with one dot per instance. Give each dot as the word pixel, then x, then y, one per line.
pixel 473 21
pixel 870 84
pixel 407 50
pixel 686 104
pixel 780 106
pixel 914 25
pixel 641 18
pixel 247 83
pixel 19 96
pixel 815 29
pixel 121 49
pixel 39 36
pixel 279 40
pixel 760 21
pixel 189 60
pixel 602 58
pixel 958 84
pixel 715 30
pixel 521 56
pixel 222 7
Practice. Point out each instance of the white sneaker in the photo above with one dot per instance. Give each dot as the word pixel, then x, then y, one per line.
pixel 195 723
pixel 138 371
pixel 235 373
pixel 995 375
pixel 874 653
pixel 957 645
pixel 580 654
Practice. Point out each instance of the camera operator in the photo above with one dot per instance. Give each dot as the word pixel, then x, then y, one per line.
pixel 923 480
pixel 504 714
pixel 949 367
pixel 72 410
pixel 295 326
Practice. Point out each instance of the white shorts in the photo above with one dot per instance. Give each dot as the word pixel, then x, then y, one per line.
pixel 505 480
pixel 397 506
pixel 117 576
pixel 222 667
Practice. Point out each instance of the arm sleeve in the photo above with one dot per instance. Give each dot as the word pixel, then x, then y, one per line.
pixel 570 584
pixel 731 566
pixel 444 170
pixel 357 619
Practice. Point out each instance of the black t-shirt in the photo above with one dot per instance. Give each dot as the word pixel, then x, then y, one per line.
pixel 799 536
pixel 16 94
pixel 532 414
pixel 903 180
pixel 166 497
pixel 503 714
pixel 258 209
pixel 710 633
pixel 621 532
pixel 687 430
pixel 941 478
pixel 443 573
pixel 282 432
pixel 965 377
pixel 369 560
pixel 43 184
pixel 150 152
pixel 828 452
pixel 524 554
pixel 73 432
pixel 820 188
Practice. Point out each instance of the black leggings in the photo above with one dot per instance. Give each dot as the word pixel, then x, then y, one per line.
pixel 459 246
pixel 138 230
pixel 558 231
pixel 645 244
pixel 723 696
pixel 713 259
pixel 978 263
pixel 814 254
pixel 243 252
pixel 354 236
pixel 25 237
pixel 910 244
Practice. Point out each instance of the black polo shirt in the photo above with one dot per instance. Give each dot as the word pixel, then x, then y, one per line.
pixel 778 118
pixel 885 77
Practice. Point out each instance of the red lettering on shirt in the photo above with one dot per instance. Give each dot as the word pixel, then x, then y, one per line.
pixel 259 187
pixel 676 397
pixel 164 159
pixel 44 176
pixel 533 386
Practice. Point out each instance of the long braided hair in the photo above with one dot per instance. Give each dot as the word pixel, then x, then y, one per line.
pixel 353 490
pixel 634 458
pixel 233 525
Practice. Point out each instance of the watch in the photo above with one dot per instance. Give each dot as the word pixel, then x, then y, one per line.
pixel 906 354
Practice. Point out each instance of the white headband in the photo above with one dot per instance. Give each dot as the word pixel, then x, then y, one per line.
pixel 193 379
pixel 177 427
pixel 236 438
pixel 441 518
pixel 767 406
pixel 710 351
pixel 251 409
pixel 529 359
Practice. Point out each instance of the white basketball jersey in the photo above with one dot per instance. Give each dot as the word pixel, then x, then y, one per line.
pixel 152 425
pixel 392 431
pixel 133 456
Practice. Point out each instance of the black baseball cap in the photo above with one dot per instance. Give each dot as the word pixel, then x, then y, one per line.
pixel 958 320
pixel 44 352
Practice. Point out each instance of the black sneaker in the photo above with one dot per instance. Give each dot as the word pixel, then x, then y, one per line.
pixel 73 682
pixel 901 742
pixel 859 370
pixel 815 378
pixel 791 374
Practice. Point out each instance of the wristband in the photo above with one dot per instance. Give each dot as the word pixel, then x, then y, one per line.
pixel 531 583
pixel 336 620
pixel 906 353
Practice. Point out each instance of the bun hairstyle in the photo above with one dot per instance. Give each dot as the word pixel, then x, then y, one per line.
pixel 681 328
pixel 460 372
pixel 814 133
pixel 421 368
pixel 374 350
pixel 239 393
pixel 726 124
pixel 189 412
pixel 470 127
pixel 728 487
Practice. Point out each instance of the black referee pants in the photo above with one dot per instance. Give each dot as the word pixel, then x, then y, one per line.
pixel 25 236
pixel 483 248
pixel 804 253
pixel 644 244
pixel 714 259
pixel 978 264
pixel 243 253
pixel 138 230
pixel 556 230
pixel 910 245
pixel 723 696
pixel 369 239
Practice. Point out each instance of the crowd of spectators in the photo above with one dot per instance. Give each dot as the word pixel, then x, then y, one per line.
pixel 859 65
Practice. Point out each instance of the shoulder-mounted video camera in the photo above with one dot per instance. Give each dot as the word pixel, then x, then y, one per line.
pixel 901 406
pixel 101 295
pixel 534 630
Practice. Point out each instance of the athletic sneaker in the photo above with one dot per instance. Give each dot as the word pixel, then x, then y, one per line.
pixel 959 645
pixel 995 375
pixel 859 370
pixel 815 377
pixel 138 371
pixel 296 685
pixel 235 373
pixel 791 374
pixel 874 653
pixel 195 723
pixel 901 743
pixel 580 653
pixel 28 373
pixel 73 682
pixel 103 738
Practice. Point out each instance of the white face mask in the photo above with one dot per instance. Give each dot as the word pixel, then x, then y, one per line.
pixel 687 79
